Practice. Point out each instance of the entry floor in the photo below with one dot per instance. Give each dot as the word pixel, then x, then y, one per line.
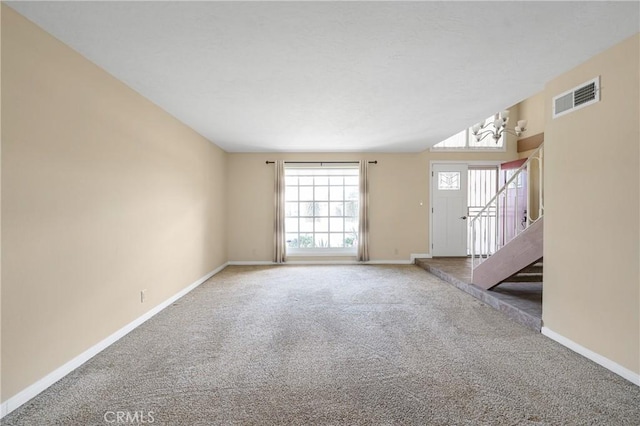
pixel 521 301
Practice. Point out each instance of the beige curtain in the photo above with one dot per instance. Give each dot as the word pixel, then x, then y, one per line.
pixel 363 229
pixel 279 248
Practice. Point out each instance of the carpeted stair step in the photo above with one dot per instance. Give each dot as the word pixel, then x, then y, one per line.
pixel 531 274
pixel 536 268
pixel 524 278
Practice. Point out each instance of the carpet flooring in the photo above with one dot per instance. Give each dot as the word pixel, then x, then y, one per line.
pixel 334 345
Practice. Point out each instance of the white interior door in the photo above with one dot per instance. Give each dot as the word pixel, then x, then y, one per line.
pixel 449 209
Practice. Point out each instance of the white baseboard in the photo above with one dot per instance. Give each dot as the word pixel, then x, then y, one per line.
pixel 411 260
pixel 329 262
pixel 321 262
pixel 597 358
pixel 415 256
pixel 30 392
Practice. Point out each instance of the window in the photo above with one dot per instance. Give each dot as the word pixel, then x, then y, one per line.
pixel 483 185
pixel 466 141
pixel 321 209
pixel 448 181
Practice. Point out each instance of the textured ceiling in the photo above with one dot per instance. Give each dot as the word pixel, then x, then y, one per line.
pixel 334 76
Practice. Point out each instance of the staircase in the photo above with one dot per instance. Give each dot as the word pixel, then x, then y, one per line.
pixel 512 255
pixel 512 259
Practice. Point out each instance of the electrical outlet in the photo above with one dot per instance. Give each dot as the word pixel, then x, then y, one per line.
pixel 395 251
pixel 143 295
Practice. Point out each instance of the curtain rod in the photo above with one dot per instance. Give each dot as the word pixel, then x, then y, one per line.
pixel 323 162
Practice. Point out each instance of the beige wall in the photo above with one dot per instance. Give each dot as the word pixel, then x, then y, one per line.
pixel 1 8
pixel 532 110
pixel 104 194
pixel 398 184
pixel 591 253
pixel 399 225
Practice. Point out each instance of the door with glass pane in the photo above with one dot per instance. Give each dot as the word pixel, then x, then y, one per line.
pixel 449 209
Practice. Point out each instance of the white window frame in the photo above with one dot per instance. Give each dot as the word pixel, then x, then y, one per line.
pixel 321 251
pixel 467 148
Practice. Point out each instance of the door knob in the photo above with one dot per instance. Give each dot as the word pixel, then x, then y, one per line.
pixel 463 217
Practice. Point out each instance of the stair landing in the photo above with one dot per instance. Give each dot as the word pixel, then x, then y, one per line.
pixel 521 301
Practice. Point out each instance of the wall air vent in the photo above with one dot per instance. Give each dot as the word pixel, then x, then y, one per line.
pixel 579 97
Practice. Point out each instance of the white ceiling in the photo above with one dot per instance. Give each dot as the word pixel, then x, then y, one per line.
pixel 334 76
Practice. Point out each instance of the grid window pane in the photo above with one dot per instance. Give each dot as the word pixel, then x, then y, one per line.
pixel 321 193
pixel 306 209
pixel 305 240
pixel 336 209
pixel 336 224
pixel 351 180
pixel 350 240
pixel 321 240
pixel 306 193
pixel 336 240
pixel 305 180
pixel 322 208
pixel 336 193
pixel 291 209
pixel 321 180
pixel 292 240
pixel 351 208
pixel 306 225
pixel 322 225
pixel 291 193
pixel 291 224
pixel 351 192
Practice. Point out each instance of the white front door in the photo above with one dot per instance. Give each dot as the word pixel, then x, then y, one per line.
pixel 449 209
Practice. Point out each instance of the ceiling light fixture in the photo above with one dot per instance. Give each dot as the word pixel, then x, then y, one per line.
pixel 499 123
